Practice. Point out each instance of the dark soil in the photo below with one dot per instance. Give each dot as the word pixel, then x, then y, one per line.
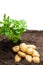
pixel 29 37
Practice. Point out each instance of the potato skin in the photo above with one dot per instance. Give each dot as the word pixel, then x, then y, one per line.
pixel 36 59
pixel 17 58
pixel 22 54
pixel 28 58
pixel 29 51
pixel 31 46
pixel 15 48
pixel 23 47
pixel 35 53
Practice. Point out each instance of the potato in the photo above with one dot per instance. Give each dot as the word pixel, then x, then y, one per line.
pixel 35 53
pixel 17 58
pixel 29 51
pixel 23 47
pixel 22 54
pixel 15 48
pixel 36 59
pixel 31 46
pixel 28 58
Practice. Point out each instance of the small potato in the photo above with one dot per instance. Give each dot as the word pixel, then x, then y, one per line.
pixel 29 51
pixel 35 53
pixel 17 58
pixel 31 46
pixel 36 59
pixel 22 54
pixel 15 48
pixel 23 47
pixel 28 58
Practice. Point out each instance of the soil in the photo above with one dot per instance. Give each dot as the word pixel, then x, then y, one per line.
pixel 29 37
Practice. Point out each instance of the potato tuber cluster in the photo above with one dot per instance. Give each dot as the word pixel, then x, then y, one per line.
pixel 28 52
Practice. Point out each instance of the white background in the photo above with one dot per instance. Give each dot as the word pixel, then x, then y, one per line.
pixel 30 10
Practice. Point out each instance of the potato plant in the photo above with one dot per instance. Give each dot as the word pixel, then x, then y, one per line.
pixel 12 29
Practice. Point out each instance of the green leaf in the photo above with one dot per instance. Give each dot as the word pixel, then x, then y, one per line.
pixel 1 22
pixel 1 31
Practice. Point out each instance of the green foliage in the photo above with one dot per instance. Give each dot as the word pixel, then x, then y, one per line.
pixel 12 29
